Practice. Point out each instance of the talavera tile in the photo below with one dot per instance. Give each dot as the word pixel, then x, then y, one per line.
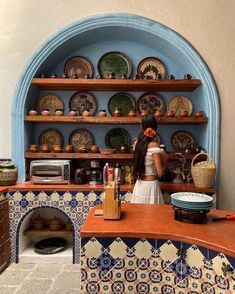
pixel 168 251
pixel 143 249
pixel 118 248
pixel 194 257
pixel 218 263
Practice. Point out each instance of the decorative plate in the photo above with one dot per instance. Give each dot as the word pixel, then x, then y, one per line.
pixel 81 137
pixel 51 137
pixel 78 65
pixel 50 102
pixel 151 67
pixel 83 101
pixel 124 101
pixel 115 62
pixel 150 102
pixel 182 140
pixel 179 104
pixel 117 137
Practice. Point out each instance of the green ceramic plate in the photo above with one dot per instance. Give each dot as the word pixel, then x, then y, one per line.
pixel 115 62
pixel 124 101
pixel 117 137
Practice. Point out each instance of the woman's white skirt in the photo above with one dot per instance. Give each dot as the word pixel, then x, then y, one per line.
pixel 147 192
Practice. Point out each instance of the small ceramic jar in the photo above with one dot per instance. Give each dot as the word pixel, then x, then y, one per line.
pixel 45 148
pixel 117 112
pixel 158 113
pixel 131 113
pixel 45 112
pixel 199 113
pixel 59 112
pixel 170 113
pixel 184 113
pixel 57 148
pixel 33 112
pixel 102 113
pixel 86 113
pixel 68 148
pixel 73 112
pixel 33 148
pixel 144 113
pixel 8 173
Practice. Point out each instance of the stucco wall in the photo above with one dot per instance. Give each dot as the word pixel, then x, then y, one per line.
pixel 207 25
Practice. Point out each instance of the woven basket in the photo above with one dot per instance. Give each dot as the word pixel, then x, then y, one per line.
pixel 203 172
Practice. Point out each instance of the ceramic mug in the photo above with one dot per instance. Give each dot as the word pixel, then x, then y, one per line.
pixel 184 113
pixel 158 113
pixel 199 113
pixel 45 148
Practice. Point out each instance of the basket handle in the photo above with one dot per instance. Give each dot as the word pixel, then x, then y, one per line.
pixel 201 153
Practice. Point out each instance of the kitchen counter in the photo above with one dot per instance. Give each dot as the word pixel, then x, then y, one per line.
pixel 165 186
pixel 157 221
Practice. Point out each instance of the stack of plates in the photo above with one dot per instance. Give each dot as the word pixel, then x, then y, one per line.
pixel 193 201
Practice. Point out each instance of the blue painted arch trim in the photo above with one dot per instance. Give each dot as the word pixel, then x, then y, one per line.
pixel 104 21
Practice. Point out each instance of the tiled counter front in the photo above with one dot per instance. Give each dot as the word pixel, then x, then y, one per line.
pixel 134 265
pixel 75 204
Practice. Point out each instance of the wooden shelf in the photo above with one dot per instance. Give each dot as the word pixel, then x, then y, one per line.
pixel 115 156
pixel 66 119
pixel 115 85
pixel 47 233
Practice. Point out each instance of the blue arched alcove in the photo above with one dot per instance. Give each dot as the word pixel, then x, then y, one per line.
pixel 138 37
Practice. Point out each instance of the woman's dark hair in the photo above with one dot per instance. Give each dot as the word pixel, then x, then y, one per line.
pixel 142 146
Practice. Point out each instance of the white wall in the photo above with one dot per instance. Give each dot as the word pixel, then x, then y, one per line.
pixel 207 24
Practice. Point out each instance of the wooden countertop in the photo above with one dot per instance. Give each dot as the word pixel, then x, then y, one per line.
pixel 157 221
pixel 165 186
pixel 4 189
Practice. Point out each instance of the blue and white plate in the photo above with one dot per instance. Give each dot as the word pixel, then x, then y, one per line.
pixel 190 200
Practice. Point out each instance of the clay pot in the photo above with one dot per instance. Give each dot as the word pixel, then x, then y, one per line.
pixel 82 148
pixel 199 113
pixel 68 148
pixel 184 113
pixel 59 112
pixel 57 148
pixel 144 113
pixel 117 112
pixel 37 223
pixel 45 148
pixel 158 113
pixel 45 112
pixel 72 112
pixel 55 224
pixel 33 148
pixel 170 113
pixel 95 149
pixel 33 112
pixel 131 113
pixel 86 113
pixel 102 113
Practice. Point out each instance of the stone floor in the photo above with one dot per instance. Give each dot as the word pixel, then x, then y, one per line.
pixel 40 278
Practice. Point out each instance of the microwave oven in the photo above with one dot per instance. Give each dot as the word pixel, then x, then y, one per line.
pixel 50 171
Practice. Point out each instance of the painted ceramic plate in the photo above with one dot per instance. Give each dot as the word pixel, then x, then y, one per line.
pixel 50 102
pixel 190 197
pixel 115 62
pixel 51 137
pixel 78 65
pixel 81 137
pixel 83 101
pixel 179 104
pixel 117 137
pixel 182 140
pixel 124 101
pixel 151 67
pixel 150 102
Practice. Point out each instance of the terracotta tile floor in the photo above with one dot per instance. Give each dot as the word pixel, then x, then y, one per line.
pixel 40 278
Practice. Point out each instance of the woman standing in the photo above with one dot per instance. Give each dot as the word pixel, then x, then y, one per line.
pixel 148 165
